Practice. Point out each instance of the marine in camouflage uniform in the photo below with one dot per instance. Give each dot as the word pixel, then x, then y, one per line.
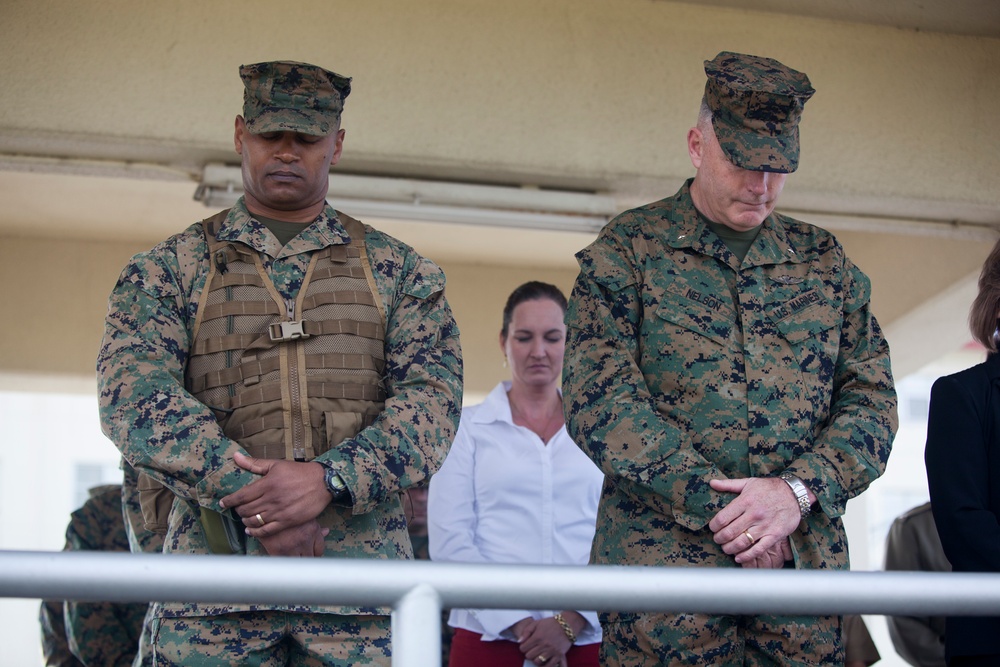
pixel 288 136
pixel 93 633
pixel 713 346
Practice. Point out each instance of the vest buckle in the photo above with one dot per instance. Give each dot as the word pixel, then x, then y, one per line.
pixel 285 331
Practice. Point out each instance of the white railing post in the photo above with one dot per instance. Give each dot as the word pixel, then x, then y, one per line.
pixel 416 629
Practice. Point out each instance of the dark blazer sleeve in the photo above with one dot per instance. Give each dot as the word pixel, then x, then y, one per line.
pixel 960 465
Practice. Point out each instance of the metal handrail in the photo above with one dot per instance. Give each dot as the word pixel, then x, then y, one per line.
pixel 418 590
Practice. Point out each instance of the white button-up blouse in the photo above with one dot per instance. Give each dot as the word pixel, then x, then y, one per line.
pixel 504 496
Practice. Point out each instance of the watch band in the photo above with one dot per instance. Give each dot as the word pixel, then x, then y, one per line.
pixel 800 491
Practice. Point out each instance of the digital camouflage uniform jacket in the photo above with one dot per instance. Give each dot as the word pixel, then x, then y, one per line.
pixel 55 645
pixel 683 366
pixel 163 431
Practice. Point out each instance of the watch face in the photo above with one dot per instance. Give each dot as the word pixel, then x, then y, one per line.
pixel 335 484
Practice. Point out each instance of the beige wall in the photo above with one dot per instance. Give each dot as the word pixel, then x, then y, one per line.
pixel 110 110
pixel 55 296
pixel 567 90
pixel 902 268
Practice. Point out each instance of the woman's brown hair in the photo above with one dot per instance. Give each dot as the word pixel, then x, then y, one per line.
pixel 985 311
pixel 530 291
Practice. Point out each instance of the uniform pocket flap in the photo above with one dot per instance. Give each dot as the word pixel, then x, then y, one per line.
pixel 697 311
pixel 803 316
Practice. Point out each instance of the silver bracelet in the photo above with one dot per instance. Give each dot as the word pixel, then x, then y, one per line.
pixel 800 491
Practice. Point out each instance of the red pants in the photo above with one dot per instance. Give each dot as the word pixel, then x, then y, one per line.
pixel 469 650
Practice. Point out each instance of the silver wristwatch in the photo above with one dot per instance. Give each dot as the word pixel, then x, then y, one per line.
pixel 800 491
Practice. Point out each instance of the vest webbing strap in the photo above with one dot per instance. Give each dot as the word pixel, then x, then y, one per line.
pixel 253 369
pixel 245 341
pixel 347 296
pixel 232 279
pixel 356 230
pixel 318 389
pixel 233 375
pixel 223 343
pixel 276 331
pixel 340 252
pixel 363 329
pixel 339 272
pixel 368 392
pixel 235 308
pixel 230 253
pixel 254 426
pixel 276 421
pixel 354 362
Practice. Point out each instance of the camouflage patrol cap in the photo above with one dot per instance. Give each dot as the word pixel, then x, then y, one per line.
pixel 287 95
pixel 756 104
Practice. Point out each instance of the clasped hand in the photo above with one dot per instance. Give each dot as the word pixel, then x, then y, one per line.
pixel 542 641
pixel 754 527
pixel 280 508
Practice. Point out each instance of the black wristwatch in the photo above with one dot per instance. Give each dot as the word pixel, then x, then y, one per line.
pixel 335 483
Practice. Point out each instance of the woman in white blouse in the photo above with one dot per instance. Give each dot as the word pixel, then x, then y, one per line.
pixel 516 489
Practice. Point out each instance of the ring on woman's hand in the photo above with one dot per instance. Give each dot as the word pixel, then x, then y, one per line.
pixel 542 659
pixel 260 520
pixel 745 532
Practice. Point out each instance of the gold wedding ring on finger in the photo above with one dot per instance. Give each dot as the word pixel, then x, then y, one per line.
pixel 261 521
pixel 542 659
pixel 745 532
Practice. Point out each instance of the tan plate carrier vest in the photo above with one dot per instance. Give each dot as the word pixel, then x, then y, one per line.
pixel 286 379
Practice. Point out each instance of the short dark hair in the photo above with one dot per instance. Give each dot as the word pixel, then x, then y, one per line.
pixel 532 290
pixel 983 316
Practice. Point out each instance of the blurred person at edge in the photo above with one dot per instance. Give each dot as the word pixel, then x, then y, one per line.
pixel 859 649
pixel 516 489
pixel 962 456
pixel 912 544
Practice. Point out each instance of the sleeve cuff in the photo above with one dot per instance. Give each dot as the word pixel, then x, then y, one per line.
pixel 225 480
pixel 694 503
pixel 830 496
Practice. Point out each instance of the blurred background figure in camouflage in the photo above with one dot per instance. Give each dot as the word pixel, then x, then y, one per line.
pixel 55 644
pixel 141 539
pixel 277 376
pixel 724 370
pixel 415 506
pixel 93 633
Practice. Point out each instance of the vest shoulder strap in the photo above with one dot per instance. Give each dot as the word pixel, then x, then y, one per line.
pixel 213 224
pixel 356 230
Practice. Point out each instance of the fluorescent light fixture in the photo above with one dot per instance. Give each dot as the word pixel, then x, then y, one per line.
pixel 438 201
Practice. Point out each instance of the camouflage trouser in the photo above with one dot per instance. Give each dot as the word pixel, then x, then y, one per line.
pixel 271 639
pixel 641 640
